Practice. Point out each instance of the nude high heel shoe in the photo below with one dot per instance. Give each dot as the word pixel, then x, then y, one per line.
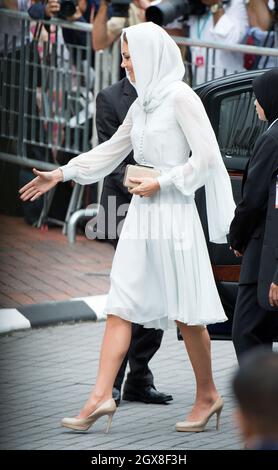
pixel 199 426
pixel 83 424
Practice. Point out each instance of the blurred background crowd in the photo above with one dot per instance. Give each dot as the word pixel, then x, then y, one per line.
pixel 51 71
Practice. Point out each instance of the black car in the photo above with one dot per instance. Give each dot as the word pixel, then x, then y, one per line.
pixel 229 102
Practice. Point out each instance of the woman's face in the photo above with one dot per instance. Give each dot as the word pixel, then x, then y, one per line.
pixel 260 111
pixel 126 61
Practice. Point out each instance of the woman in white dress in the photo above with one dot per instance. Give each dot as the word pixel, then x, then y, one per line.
pixel 161 269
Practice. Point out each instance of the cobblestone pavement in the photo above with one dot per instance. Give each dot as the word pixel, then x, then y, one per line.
pixel 47 374
pixel 38 266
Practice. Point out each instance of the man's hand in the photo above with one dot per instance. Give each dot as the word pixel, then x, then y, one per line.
pixel 259 14
pixel 273 295
pixel 52 8
pixel 147 186
pixel 237 253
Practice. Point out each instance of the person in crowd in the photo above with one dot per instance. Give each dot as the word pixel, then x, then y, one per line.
pixel 262 16
pixel 12 25
pixel 108 25
pixel 112 105
pixel 223 23
pixel 84 13
pixel 268 274
pixel 255 387
pixel 259 13
pixel 254 229
pixel 16 75
pixel 161 269
pixel 110 21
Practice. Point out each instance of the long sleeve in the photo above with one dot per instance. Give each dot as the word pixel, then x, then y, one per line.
pixel 199 134
pixel 92 166
pixel 253 205
pixel 204 167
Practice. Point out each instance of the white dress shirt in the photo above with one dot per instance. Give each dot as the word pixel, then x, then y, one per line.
pixel 230 30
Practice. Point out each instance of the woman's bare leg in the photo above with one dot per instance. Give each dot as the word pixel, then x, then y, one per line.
pixel 197 343
pixel 115 344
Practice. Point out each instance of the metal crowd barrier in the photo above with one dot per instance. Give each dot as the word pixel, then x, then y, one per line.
pixel 210 65
pixel 47 97
pixel 47 94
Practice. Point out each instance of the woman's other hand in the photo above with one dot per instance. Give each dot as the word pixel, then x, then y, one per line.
pixel 273 295
pixel 147 187
pixel 44 181
pixel 237 253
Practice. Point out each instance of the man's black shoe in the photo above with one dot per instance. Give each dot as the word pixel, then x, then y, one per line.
pixel 116 394
pixel 147 394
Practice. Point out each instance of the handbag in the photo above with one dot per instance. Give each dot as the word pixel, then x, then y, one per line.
pixel 138 171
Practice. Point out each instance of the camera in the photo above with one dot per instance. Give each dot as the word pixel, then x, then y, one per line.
pixel 120 8
pixel 67 8
pixel 163 12
pixel 166 11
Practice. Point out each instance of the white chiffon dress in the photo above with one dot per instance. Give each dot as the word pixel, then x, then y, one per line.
pixel 161 269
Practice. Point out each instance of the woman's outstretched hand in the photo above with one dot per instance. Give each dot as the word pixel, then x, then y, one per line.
pixel 44 181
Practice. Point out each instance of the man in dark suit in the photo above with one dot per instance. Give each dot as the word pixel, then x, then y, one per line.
pixel 254 323
pixel 112 105
pixel 268 274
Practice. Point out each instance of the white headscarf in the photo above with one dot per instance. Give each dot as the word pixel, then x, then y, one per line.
pixel 157 63
pixel 158 68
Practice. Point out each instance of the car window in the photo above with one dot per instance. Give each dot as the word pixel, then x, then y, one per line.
pixel 238 125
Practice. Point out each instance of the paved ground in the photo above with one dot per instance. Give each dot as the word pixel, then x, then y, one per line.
pixel 38 266
pixel 47 374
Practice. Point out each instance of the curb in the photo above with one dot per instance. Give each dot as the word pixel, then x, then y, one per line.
pixel 52 313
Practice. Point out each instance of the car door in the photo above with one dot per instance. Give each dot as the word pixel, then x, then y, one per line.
pixel 229 102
